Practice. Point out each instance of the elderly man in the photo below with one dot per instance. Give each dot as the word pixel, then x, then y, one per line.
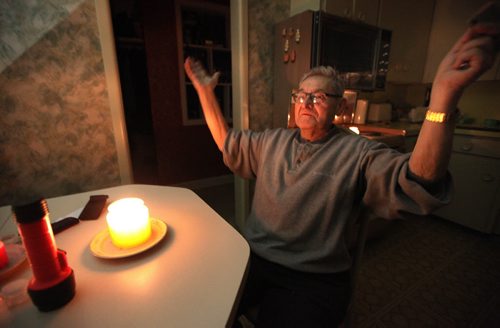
pixel 312 181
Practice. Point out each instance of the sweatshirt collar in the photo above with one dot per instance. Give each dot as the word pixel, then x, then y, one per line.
pixel 331 132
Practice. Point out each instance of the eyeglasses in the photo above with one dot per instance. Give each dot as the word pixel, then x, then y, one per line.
pixel 316 97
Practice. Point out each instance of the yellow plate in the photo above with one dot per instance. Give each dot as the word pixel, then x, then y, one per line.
pixel 102 246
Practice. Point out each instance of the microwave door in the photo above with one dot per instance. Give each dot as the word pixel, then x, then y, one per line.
pixel 351 49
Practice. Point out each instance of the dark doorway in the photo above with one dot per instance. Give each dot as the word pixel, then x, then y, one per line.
pixel 131 56
pixel 165 149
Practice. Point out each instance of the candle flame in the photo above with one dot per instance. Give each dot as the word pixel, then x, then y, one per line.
pixel 354 129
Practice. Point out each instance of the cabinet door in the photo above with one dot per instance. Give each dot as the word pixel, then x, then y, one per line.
pixel 344 8
pixel 365 11
pixel 298 6
pixel 476 181
pixel 410 23
pixel 450 22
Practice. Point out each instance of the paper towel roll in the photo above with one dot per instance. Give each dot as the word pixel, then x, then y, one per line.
pixel 361 110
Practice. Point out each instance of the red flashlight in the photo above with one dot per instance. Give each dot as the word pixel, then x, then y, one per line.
pixel 53 281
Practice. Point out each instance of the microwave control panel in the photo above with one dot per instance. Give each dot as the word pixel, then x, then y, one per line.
pixel 383 58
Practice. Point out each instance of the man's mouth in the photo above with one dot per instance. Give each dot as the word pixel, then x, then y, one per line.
pixel 307 113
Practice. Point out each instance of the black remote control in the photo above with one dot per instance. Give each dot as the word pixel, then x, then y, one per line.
pixel 64 224
pixel 94 207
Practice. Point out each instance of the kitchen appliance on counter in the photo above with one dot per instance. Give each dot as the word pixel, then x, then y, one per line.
pixel 417 114
pixel 361 111
pixel 380 112
pixel 360 52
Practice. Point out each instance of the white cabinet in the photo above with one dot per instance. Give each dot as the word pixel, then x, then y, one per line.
pixel 475 167
pixel 410 23
pixel 365 11
pixel 450 22
pixel 298 6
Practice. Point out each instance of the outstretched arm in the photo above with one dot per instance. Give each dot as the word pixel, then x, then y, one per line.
pixel 471 56
pixel 204 85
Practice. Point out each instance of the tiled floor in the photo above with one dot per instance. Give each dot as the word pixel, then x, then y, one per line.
pixel 420 272
pixel 428 272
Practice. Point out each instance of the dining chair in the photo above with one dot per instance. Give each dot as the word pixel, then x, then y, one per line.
pixel 356 240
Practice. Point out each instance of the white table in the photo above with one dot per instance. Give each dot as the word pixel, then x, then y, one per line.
pixel 190 279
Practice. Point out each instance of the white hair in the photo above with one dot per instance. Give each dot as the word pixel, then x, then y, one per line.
pixel 337 81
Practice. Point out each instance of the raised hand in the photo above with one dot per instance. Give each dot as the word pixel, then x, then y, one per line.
pixel 204 85
pixel 198 75
pixel 472 55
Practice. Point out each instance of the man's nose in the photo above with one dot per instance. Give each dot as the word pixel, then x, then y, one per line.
pixel 308 100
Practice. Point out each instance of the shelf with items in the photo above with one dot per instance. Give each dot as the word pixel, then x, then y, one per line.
pixel 194 112
pixel 203 34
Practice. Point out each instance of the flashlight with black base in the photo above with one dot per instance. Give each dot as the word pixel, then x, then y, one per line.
pixel 53 283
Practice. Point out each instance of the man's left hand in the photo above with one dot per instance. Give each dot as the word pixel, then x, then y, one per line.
pixel 472 55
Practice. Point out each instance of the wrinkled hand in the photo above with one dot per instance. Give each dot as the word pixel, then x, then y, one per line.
pixel 472 55
pixel 198 75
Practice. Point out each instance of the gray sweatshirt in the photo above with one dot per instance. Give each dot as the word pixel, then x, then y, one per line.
pixel 307 193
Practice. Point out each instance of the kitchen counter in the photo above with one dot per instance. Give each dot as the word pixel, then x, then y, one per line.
pixel 477 131
pixel 393 135
pixel 407 129
pixel 404 129
pixel 474 164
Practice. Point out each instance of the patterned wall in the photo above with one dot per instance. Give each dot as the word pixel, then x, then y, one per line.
pixel 262 16
pixel 56 134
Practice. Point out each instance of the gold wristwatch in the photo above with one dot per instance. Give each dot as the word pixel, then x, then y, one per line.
pixel 439 117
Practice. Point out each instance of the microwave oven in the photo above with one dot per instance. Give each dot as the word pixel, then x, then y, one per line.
pixel 358 51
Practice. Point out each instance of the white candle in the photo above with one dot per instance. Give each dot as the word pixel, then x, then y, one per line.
pixel 128 222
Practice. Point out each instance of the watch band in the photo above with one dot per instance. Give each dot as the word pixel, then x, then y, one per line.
pixel 439 117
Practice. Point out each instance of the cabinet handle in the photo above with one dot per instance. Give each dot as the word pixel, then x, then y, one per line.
pixel 466 147
pixel 487 178
pixel 347 12
pixel 361 16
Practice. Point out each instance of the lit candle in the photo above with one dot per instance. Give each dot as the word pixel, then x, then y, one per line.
pixel 354 129
pixel 128 222
pixel 4 259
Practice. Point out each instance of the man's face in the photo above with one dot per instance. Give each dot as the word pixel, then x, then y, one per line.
pixel 319 116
